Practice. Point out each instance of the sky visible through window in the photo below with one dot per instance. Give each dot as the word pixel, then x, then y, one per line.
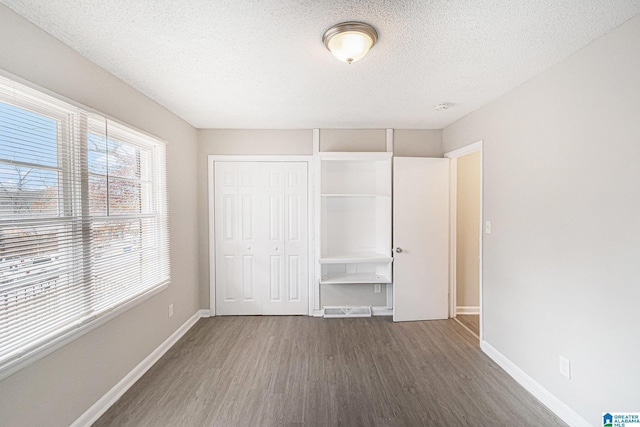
pixel 30 169
pixel 27 137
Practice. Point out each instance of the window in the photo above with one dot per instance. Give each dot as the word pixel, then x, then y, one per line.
pixel 83 220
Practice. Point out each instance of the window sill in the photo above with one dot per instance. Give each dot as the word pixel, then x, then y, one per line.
pixel 14 365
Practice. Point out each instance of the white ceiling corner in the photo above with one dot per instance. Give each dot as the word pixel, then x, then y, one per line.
pixel 262 65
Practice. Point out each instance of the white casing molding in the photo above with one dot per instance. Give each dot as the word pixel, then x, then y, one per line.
pixel 463 309
pixel 453 167
pixel 467 149
pixel 389 139
pixel 92 414
pixel 314 239
pixel 558 407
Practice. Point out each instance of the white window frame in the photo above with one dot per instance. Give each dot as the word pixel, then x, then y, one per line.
pixel 72 115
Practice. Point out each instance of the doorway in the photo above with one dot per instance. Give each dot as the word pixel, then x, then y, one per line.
pixel 466 237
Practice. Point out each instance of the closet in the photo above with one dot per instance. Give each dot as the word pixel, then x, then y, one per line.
pixel 372 240
pixel 261 238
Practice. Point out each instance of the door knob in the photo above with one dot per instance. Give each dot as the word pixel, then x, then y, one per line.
pixel 398 250
pixel 275 248
pixel 248 248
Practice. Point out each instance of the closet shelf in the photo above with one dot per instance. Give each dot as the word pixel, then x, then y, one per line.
pixel 354 195
pixel 356 258
pixel 354 278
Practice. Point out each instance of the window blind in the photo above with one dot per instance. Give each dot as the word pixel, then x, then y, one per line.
pixel 83 219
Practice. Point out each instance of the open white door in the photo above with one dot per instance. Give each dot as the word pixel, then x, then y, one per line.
pixel 420 238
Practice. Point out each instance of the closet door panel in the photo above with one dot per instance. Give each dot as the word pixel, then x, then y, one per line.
pixel 226 231
pixel 252 233
pixel 236 224
pixel 293 288
pixel 274 242
pixel 296 234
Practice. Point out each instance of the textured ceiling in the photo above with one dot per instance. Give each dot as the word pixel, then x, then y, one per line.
pixel 262 64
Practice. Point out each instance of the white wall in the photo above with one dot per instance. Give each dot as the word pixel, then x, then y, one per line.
pixel 57 389
pixel 468 230
pixel 417 143
pixel 561 271
pixel 353 140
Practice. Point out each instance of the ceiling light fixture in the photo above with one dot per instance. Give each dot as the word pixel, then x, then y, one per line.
pixel 350 41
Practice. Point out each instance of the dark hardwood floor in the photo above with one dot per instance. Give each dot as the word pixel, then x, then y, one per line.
pixel 471 321
pixel 285 371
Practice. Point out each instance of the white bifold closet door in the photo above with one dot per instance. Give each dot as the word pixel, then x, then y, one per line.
pixel 261 238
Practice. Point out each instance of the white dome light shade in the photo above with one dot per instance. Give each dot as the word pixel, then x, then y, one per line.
pixel 350 41
pixel 350 46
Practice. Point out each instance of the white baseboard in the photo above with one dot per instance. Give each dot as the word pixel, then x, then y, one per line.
pixel 100 407
pixel 467 309
pixel 567 414
pixel 382 311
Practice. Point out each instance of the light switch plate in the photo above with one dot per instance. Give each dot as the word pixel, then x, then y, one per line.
pixel 487 227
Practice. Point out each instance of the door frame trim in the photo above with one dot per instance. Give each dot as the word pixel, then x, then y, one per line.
pixel 211 160
pixel 453 168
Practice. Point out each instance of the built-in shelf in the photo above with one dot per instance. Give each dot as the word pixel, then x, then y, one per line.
pixel 354 195
pixel 355 278
pixel 354 220
pixel 357 258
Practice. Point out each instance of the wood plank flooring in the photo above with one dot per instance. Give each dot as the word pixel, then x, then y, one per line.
pixel 471 321
pixel 302 371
